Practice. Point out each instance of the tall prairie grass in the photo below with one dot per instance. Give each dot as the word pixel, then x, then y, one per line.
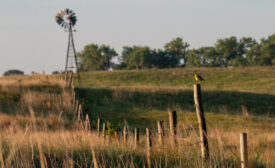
pixel 49 97
pixel 38 127
pixel 29 148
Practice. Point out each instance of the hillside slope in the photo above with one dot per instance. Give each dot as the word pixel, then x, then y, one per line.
pixel 250 79
pixel 143 97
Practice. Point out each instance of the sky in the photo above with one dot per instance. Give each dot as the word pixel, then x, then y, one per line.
pixel 31 40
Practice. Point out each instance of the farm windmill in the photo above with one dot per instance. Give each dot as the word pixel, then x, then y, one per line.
pixel 66 18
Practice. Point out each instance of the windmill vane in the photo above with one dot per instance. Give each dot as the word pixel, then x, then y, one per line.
pixel 66 18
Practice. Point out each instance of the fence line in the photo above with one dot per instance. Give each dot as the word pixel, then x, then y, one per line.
pixel 159 132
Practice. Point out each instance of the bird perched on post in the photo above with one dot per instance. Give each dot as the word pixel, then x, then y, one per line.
pixel 198 78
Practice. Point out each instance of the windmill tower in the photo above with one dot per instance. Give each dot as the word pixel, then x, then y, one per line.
pixel 66 18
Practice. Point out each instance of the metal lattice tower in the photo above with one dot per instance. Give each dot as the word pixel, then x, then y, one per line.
pixel 71 59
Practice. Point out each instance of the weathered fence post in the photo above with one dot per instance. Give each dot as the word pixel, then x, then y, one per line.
pixel 201 121
pixel 73 100
pixel 243 150
pixel 87 125
pixel 98 127
pixel 125 134
pixel 79 114
pixel 160 132
pixel 173 126
pixel 103 130
pixel 148 147
pixel 95 163
pixel 136 137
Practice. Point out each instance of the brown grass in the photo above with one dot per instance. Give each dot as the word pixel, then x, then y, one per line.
pixel 38 135
pixel 62 146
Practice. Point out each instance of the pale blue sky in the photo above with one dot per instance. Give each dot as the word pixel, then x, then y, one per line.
pixel 31 40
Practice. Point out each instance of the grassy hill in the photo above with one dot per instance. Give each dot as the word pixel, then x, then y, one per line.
pixel 38 125
pixel 251 79
pixel 141 97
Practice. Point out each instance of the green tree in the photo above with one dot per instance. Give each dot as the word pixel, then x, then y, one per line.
pixel 268 51
pixel 55 72
pixel 13 72
pixel 245 45
pixel 95 57
pixel 227 49
pixel 161 59
pixel 253 55
pixel 233 52
pixel 137 57
pixel 194 59
pixel 210 57
pixel 177 50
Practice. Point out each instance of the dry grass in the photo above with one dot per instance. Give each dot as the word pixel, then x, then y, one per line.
pixel 49 97
pixel 59 148
pixel 39 129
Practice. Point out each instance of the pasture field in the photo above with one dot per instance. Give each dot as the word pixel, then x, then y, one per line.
pixel 143 97
pixel 39 126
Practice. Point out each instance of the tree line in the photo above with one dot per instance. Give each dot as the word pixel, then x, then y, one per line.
pixel 226 52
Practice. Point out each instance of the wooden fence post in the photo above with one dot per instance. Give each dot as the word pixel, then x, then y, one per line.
pixel 125 134
pixel 95 163
pixel 243 150
pixel 160 132
pixel 201 121
pixel 136 137
pixel 103 130
pixel 173 126
pixel 73 100
pixel 148 147
pixel 98 126
pixel 87 125
pixel 79 114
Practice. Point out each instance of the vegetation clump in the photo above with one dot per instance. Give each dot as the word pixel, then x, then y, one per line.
pixel 13 72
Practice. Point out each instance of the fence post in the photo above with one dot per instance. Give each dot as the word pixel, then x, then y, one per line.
pixel 173 126
pixel 148 147
pixel 160 132
pixel 79 114
pixel 136 137
pixel 103 130
pixel 73 100
pixel 87 123
pixel 201 121
pixel 95 163
pixel 243 150
pixel 98 126
pixel 125 134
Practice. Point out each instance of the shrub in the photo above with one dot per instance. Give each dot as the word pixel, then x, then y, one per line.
pixel 13 72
